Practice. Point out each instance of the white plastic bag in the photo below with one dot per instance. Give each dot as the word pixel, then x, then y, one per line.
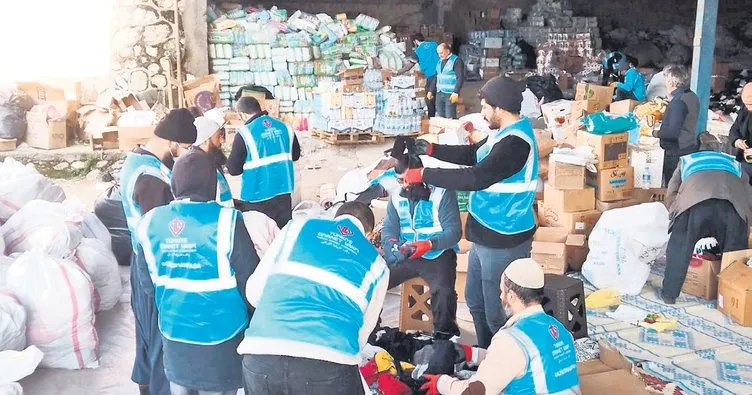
pixel 91 226
pixel 12 323
pixel 99 262
pixel 262 230
pixel 5 262
pixel 59 302
pixel 15 365
pixel 11 389
pixel 20 184
pixel 49 227
pixel 623 244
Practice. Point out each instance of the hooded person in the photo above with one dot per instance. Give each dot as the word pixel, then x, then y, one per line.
pixel 532 354
pixel 209 139
pixel 501 171
pixel 740 134
pixel 420 234
pixel 144 185
pixel 200 257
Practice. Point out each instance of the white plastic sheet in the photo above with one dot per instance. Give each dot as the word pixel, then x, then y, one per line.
pixel 49 227
pixel 100 264
pixel 12 323
pixel 20 184
pixel 623 245
pixel 58 297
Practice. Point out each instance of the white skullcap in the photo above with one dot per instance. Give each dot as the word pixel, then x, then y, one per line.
pixel 216 115
pixel 526 273
pixel 205 129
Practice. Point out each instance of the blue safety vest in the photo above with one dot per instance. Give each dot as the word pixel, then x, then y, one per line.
pixel 317 292
pixel 187 246
pixel 387 179
pixel 446 79
pixel 135 166
pixel 708 160
pixel 224 194
pixel 428 57
pixel 268 169
pixel 551 357
pixel 423 223
pixel 506 207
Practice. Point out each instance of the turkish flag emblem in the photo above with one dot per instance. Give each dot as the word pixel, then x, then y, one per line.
pixel 345 231
pixel 267 123
pixel 554 331
pixel 176 226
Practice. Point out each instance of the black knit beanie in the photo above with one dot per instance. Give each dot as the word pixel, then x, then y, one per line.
pixel 504 93
pixel 177 126
pixel 194 176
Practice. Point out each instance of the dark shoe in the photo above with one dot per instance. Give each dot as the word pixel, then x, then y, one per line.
pixel 668 299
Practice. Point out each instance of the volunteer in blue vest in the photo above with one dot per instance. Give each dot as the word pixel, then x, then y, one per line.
pixel 611 64
pixel 502 172
pixel 633 87
pixel 209 139
pixel 450 76
pixel 708 196
pixel 263 153
pixel 144 185
pixel 420 234
pixel 533 354
pixel 200 257
pixel 427 58
pixel 318 293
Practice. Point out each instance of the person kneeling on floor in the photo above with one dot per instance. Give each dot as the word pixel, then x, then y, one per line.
pixel 421 230
pixel 532 354
pixel 708 196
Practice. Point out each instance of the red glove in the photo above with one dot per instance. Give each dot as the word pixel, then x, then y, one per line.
pixel 431 387
pixel 468 352
pixel 413 176
pixel 418 248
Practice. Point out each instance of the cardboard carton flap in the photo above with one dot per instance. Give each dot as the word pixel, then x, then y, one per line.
pixel 738 276
pixel 551 235
pixel 549 248
pixel 728 258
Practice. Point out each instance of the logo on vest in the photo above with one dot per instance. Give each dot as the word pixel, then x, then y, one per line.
pixel 177 226
pixel 267 123
pixel 554 331
pixel 345 231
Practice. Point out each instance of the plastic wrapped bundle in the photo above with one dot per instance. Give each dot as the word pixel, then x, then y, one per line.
pixel 102 267
pixel 20 184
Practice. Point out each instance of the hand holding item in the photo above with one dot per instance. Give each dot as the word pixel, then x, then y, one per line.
pixel 741 144
pixel 417 249
pixel 422 147
pixel 455 98
pixel 429 95
pixel 431 387
pixel 748 155
pixel 413 176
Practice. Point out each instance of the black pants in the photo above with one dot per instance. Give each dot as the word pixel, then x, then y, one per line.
pixel 282 375
pixel 711 218
pixel 440 274
pixel 278 208
pixel 621 94
pixel 670 162
pixel 431 103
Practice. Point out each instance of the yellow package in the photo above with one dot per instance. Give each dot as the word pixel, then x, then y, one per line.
pixel 603 298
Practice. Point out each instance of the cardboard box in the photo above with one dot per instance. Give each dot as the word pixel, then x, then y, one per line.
pixel 272 107
pixel 569 201
pixel 403 82
pixel 461 279
pixel 493 53
pixel 487 73
pixel 7 145
pixel 605 206
pixel 202 92
pixel 610 149
pixel 612 184
pixel 581 223
pixel 41 92
pixel 741 256
pixel 131 137
pixel 598 97
pixel 640 195
pixel 721 68
pixel 609 374
pixel 623 106
pixel 702 278
pixel 331 100
pixel 735 293
pixel 577 110
pixel 564 176
pixel 493 43
pixel 44 133
pixel 577 251
pixel 550 246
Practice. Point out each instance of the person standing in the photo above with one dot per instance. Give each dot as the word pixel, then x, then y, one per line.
pixel 502 173
pixel 421 230
pixel 318 293
pixel 209 139
pixel 144 185
pixel 678 136
pixel 427 57
pixel 450 76
pixel 263 153
pixel 708 196
pixel 533 354
pixel 740 134
pixel 633 87
pixel 200 257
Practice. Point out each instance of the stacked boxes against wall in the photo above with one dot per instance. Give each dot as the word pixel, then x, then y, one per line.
pixel 490 51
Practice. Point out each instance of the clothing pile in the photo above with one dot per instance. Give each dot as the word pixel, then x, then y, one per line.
pixel 394 362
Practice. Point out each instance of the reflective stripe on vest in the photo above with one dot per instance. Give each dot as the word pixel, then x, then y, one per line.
pixel 424 223
pixel 319 287
pixel 135 166
pixel 506 207
pixel 187 248
pixel 709 160
pixel 446 78
pixel 224 194
pixel 268 170
pixel 551 357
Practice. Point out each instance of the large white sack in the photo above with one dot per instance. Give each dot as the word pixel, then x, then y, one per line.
pixel 15 365
pixel 11 389
pixel 12 323
pixel 262 230
pixel 100 263
pixel 91 226
pixel 20 184
pixel 5 262
pixel 46 226
pixel 623 245
pixel 59 300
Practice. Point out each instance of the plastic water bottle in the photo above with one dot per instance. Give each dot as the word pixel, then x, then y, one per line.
pixel 646 176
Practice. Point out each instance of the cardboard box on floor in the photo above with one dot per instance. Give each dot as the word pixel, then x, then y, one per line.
pixel 612 184
pixel 702 278
pixel 43 133
pixel 598 97
pixel 569 201
pixel 605 206
pixel 551 247
pixel 581 223
pixel 610 374
pixel 735 292
pixel 564 176
pixel 610 149
pixel 623 106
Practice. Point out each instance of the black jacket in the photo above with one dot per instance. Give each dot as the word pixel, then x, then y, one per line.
pixel 678 129
pixel 741 129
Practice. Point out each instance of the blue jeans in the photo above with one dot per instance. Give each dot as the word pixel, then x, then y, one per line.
pixel 483 288
pixel 444 106
pixel 282 375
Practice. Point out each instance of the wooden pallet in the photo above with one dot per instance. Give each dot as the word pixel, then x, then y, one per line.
pixel 348 138
pixel 391 136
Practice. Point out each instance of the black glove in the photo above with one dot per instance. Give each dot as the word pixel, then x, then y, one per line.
pixel 423 147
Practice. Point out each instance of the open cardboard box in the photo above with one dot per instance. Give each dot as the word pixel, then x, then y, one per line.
pixel 552 248
pixel 610 374
pixel 735 287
